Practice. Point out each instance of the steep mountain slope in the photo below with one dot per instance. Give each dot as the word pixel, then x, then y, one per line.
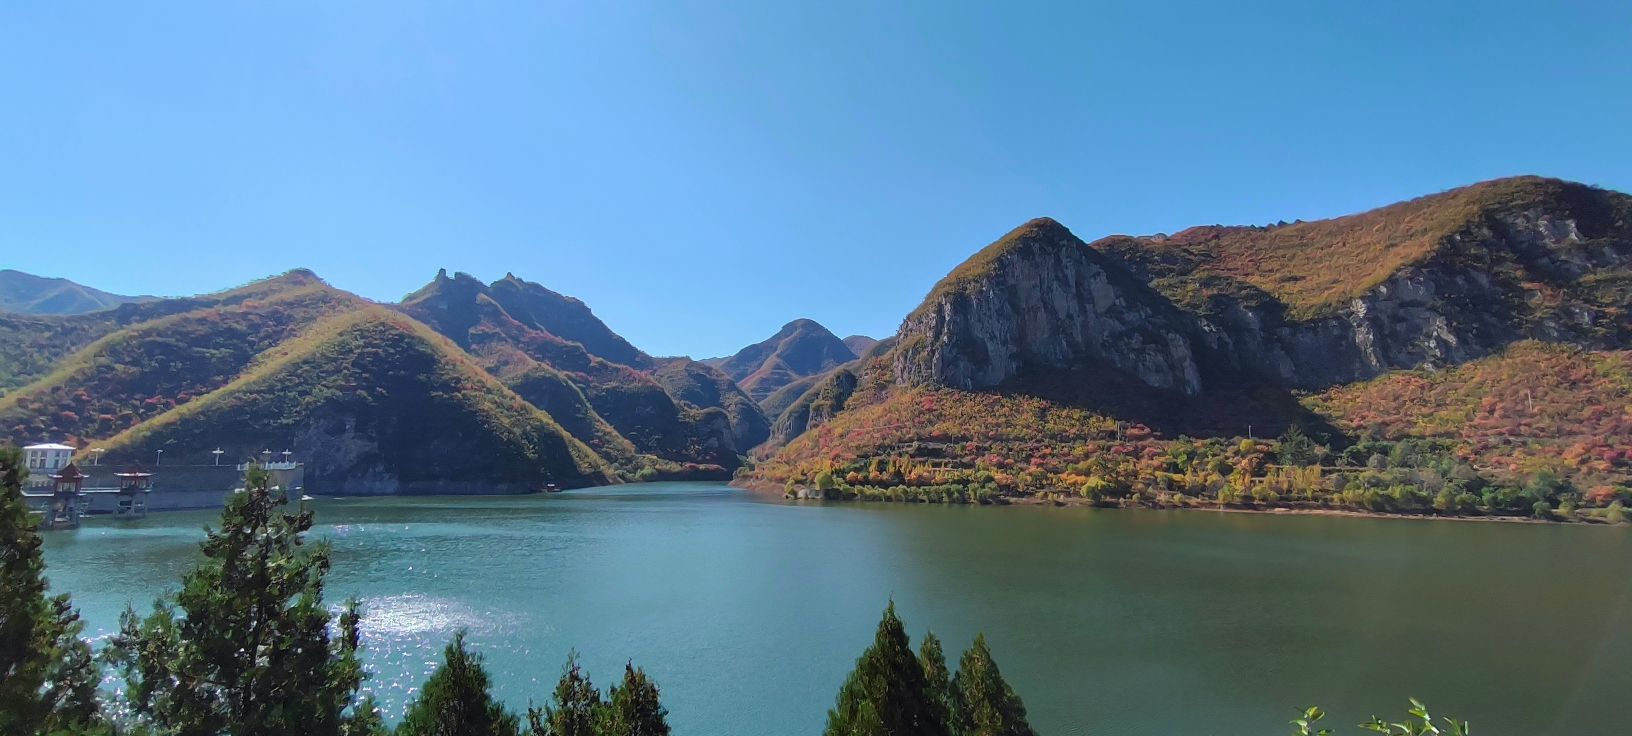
pixel 1143 343
pixel 813 400
pixel 860 344
pixel 1534 407
pixel 138 372
pixel 376 403
pixel 800 349
pixel 514 344
pixel 31 346
pixel 24 293
pixel 1435 281
pixel 1040 298
pixel 706 387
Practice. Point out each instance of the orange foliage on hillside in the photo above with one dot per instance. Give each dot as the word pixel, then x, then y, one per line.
pixel 1535 407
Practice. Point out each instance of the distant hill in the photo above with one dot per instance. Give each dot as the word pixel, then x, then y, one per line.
pixel 1147 370
pixel 32 345
pixel 860 344
pixel 23 293
pixel 517 331
pixel 354 398
pixel 802 348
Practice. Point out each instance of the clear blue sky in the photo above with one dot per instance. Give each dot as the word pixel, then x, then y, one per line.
pixel 701 173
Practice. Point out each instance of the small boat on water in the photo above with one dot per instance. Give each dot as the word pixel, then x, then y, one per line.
pixel 551 488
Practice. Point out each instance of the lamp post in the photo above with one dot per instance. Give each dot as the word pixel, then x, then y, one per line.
pixel 96 455
pixel 286 455
pixel 217 453
pixel 158 458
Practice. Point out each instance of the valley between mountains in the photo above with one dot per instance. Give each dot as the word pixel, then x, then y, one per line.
pixel 1459 354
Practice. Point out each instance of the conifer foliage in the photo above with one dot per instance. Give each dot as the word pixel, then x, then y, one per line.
pixel 577 709
pixel 245 647
pixel 893 693
pixel 456 701
pixel 47 675
pixel 982 701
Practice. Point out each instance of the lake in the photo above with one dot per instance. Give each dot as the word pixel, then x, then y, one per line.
pixel 749 612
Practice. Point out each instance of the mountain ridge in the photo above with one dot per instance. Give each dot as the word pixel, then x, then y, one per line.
pixel 1179 342
pixel 26 293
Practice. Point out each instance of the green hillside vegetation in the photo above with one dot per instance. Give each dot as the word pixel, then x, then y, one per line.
pixel 777 403
pixel 139 372
pixel 1463 444
pixel 556 395
pixel 802 348
pixel 1536 410
pixel 703 386
pixel 31 346
pixel 566 318
pixel 1312 267
pixel 824 398
pixel 372 396
pixel 23 293
pixel 684 439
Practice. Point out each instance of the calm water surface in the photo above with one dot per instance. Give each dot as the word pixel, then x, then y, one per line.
pixel 749 613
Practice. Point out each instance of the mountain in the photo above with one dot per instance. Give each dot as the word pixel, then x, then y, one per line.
pixel 519 332
pixel 289 361
pixel 1045 364
pixel 354 397
pixel 23 293
pixel 860 344
pixel 802 348
pixel 133 374
pixel 1533 406
pixel 32 345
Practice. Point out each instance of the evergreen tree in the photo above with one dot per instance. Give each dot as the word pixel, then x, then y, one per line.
pixel 366 720
pixel 245 648
pixel 576 708
pixel 886 695
pixel 937 679
pixel 456 700
pixel 983 704
pixel 47 675
pixel 633 709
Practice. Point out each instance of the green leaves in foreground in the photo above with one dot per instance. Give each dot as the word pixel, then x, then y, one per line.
pixel 1420 723
pixel 247 646
pixel 47 675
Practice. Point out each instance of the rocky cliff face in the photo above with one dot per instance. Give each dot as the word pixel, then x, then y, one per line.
pixel 1515 276
pixel 1464 274
pixel 1042 298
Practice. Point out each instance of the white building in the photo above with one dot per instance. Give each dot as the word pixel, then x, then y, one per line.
pixel 45 459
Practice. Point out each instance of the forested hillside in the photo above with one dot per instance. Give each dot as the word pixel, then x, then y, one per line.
pixel 1461 353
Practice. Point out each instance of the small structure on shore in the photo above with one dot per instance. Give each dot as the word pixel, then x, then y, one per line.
pixel 66 501
pixel 134 485
pixel 44 459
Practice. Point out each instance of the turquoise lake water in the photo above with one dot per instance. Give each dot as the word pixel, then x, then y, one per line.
pixel 749 612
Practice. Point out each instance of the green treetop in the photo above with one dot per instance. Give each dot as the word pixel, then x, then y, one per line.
pixel 47 675
pixel 887 694
pixel 937 679
pixel 633 708
pixel 245 647
pixel 456 701
pixel 983 703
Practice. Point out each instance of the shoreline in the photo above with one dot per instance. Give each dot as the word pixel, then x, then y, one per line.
pixel 767 488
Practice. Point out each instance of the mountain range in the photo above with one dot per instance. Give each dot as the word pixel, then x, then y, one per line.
pixel 1485 327
pixel 22 293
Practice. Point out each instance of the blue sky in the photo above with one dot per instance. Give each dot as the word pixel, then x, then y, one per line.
pixel 701 173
